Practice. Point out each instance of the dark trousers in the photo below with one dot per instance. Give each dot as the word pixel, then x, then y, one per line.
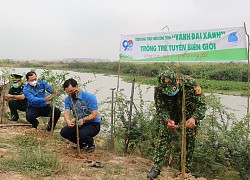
pixel 46 111
pixel 15 105
pixel 86 133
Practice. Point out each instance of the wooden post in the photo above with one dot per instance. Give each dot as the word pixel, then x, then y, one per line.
pixel 127 138
pixel 7 125
pixel 183 147
pixel 77 128
pixel 53 117
pixel 112 115
pixel 53 111
pixel 111 140
pixel 248 124
pixel 3 101
pixel 117 90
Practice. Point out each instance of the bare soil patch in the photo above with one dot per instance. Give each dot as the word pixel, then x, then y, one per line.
pixel 99 165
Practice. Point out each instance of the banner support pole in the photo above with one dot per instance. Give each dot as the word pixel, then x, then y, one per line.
pixel 248 124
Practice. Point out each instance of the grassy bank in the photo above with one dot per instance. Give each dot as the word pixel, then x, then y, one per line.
pixel 223 78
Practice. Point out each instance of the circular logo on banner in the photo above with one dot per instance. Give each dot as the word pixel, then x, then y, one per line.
pixel 234 39
pixel 127 44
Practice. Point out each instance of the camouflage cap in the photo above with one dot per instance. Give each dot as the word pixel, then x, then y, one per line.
pixel 167 81
pixel 16 77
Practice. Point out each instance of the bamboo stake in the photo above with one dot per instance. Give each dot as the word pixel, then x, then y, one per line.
pixel 127 138
pixel 117 87
pixel 183 148
pixel 116 94
pixel 77 128
pixel 111 140
pixel 112 114
pixel 7 125
pixel 1 108
pixel 3 101
pixel 53 110
pixel 53 117
pixel 248 78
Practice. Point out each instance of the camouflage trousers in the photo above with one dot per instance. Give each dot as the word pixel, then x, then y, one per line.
pixel 169 145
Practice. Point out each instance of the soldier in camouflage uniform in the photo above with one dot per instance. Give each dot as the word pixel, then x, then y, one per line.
pixel 15 97
pixel 168 100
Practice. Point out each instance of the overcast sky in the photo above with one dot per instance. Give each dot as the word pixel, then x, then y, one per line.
pixel 57 29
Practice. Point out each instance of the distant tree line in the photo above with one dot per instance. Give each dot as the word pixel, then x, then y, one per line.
pixel 216 71
pixel 231 71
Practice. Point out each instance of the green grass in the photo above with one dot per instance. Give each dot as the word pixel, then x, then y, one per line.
pixel 31 159
pixel 117 170
pixel 58 137
pixel 4 146
pixel 215 86
pixel 39 163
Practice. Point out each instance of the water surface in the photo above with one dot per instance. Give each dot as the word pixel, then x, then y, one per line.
pixel 101 86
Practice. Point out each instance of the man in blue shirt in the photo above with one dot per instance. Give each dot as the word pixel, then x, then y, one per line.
pixel 86 107
pixel 35 91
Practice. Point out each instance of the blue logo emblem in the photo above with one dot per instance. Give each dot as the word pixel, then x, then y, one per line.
pixel 232 37
pixel 127 44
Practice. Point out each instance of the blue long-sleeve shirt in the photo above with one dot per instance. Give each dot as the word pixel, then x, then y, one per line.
pixel 37 94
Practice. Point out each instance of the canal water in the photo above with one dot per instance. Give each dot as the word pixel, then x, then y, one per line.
pixel 101 85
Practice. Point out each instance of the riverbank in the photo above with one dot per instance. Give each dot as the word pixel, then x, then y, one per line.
pixel 223 78
pixel 100 85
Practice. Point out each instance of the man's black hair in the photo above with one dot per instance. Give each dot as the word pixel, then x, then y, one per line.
pixel 31 73
pixel 71 82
